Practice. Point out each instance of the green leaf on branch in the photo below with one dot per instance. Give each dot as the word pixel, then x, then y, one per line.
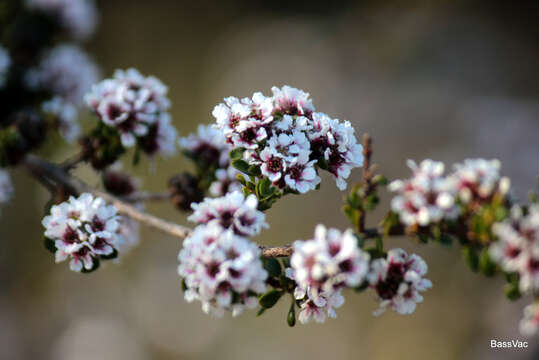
pixel 379 245
pixel 512 292
pixel 470 257
pixel 291 316
pixel 322 163
pixel 486 265
pixel 49 245
pixel 254 170
pixel 241 179
pixel 260 311
pixel 379 180
pixel 269 299
pixel 236 154
pixel 273 267
pixel 241 165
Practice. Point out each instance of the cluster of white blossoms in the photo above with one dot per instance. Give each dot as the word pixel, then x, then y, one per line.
pixel 208 147
pixel 6 187
pixel 137 107
pixel 285 137
pixel 517 248
pixel 425 198
pixel 478 180
pixel 232 211
pixel 219 266
pixel 77 17
pixel 398 281
pixel 221 269
pixel 65 116
pixel 322 267
pixel 83 230
pixel 5 63
pixel 529 325
pixel 65 71
pixel 429 196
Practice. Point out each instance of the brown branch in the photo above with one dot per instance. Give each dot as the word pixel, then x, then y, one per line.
pixel 49 173
pixel 147 196
pixel 59 176
pixel 366 184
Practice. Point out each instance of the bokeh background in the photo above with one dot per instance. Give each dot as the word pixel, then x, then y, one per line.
pixel 439 79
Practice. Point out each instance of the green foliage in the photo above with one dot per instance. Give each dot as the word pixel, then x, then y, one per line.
pixel 269 299
pixel 273 267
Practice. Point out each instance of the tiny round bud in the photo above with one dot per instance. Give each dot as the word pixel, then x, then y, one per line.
pixel 184 191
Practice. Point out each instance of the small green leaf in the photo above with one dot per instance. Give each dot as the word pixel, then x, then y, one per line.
pixel 291 316
pixel 110 256
pixel 273 267
pixel 269 299
pixel 322 163
pixel 241 179
pixel 470 257
pixel 486 265
pixel 512 292
pixel 379 244
pixel 236 154
pixel 49 245
pixel 241 166
pixel 260 311
pixel 254 170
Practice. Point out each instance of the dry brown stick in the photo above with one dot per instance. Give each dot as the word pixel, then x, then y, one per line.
pixel 147 196
pixel 366 185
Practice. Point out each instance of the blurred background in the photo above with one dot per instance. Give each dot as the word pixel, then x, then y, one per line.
pixel 438 79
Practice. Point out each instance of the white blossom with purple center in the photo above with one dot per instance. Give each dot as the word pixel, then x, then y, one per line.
pixel 425 198
pixel 517 248
pixel 66 71
pixel 77 17
pixel 137 107
pixel 478 180
pixel 207 145
pixel 529 325
pixel 82 229
pixel 225 182
pixel 221 269
pixel 289 140
pixel 329 262
pixel 398 281
pixel 233 211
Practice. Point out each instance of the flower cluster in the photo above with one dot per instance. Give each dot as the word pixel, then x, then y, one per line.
pixel 322 267
pixel 137 107
pixel 209 149
pixel 77 17
pixel 398 280
pixel 426 197
pixel 65 71
pixel 5 62
pixel 6 187
pixel 232 211
pixel 287 139
pixel 529 325
pixel 430 196
pixel 219 266
pixel 83 230
pixel 221 269
pixel 476 180
pixel 517 248
pixel 64 115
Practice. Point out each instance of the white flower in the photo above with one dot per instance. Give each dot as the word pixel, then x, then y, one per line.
pixel 137 107
pixel 398 280
pixel 78 17
pixel 330 261
pixel 478 180
pixel 83 230
pixel 273 164
pixel 337 144
pixel 292 101
pixel 221 270
pixel 425 198
pixel 65 115
pixel 517 248
pixel 320 309
pixel 301 174
pixel 5 62
pixel 529 325
pixel 208 145
pixel 65 71
pixel 6 187
pixel 225 182
pixel 232 211
pixel 283 132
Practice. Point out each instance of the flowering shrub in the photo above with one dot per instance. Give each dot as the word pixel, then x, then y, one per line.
pixel 258 150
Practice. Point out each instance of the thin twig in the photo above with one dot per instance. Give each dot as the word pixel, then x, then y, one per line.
pixel 366 185
pixel 72 162
pixel 147 196
pixel 46 172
